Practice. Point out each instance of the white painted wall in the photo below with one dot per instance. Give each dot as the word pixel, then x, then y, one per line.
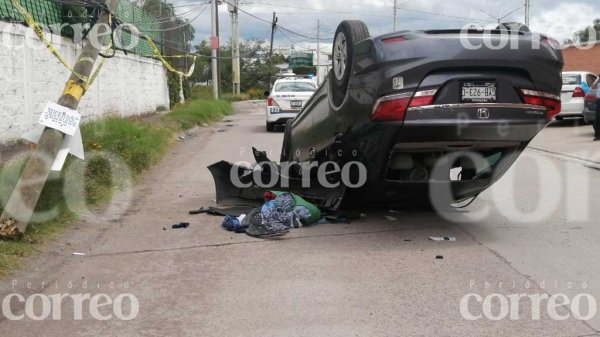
pixel 30 76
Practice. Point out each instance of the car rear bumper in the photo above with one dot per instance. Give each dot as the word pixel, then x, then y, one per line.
pixel 281 116
pixel 572 109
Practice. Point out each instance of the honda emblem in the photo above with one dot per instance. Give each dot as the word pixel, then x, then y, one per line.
pixel 483 113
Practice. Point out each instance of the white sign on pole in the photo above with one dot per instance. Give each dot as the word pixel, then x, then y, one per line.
pixel 60 118
pixel 66 121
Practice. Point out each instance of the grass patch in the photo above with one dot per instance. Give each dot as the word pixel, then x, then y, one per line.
pixel 118 151
pixel 197 112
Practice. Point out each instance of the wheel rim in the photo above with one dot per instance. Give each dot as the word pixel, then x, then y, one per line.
pixel 340 55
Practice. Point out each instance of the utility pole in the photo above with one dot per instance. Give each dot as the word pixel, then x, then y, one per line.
pixel 318 52
pixel 235 47
pixel 527 12
pixel 395 13
pixel 25 197
pixel 273 26
pixel 214 45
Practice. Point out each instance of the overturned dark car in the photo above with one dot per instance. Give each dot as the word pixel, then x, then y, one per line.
pixel 426 112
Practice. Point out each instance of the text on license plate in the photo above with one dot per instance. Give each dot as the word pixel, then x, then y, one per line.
pixel 478 92
pixel 296 104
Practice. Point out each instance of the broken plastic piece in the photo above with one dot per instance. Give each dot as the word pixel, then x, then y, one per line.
pixel 181 225
pixel 442 238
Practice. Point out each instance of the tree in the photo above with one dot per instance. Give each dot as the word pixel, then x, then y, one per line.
pixel 589 34
pixel 255 65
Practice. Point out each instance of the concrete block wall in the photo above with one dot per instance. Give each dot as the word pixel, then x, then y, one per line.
pixel 30 76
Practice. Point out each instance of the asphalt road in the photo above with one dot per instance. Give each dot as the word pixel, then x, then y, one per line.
pixel 535 233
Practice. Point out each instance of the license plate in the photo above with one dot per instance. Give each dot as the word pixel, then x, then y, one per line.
pixel 478 92
pixel 296 104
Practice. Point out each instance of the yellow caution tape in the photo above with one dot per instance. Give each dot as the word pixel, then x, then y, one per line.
pixel 167 64
pixel 74 89
pixel 89 80
pixel 70 88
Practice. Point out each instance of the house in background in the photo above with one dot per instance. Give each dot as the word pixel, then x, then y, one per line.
pixel 582 57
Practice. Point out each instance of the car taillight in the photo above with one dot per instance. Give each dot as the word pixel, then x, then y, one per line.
pixel 550 101
pixel 270 101
pixel 422 98
pixel 394 39
pixel 393 107
pixel 578 92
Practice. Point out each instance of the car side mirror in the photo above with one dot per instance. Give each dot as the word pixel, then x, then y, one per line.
pixel 267 93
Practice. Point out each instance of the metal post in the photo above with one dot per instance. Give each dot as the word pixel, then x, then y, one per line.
pixel 214 44
pixel 273 26
pixel 318 52
pixel 235 48
pixel 527 11
pixel 395 13
pixel 25 197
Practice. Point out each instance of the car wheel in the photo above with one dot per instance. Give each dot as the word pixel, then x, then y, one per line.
pixel 270 127
pixel 559 118
pixel 286 148
pixel 514 26
pixel 348 33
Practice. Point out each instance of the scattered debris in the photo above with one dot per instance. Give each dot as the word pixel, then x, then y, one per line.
pixel 205 125
pixel 79 254
pixel 442 238
pixel 9 230
pixel 439 257
pixel 222 130
pixel 181 225
pixel 164 228
pixel 390 218
pixel 407 240
pixel 182 137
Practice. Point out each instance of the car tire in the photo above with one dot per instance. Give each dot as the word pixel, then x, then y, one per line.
pixel 514 26
pixel 270 127
pixel 346 36
pixel 286 148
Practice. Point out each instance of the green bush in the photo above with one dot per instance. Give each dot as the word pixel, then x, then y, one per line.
pixel 255 93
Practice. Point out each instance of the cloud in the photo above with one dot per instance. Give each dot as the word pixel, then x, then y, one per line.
pixel 557 18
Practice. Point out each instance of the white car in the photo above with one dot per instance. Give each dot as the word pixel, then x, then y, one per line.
pixel 576 85
pixel 287 98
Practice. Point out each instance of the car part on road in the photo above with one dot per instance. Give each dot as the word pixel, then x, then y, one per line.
pixel 442 238
pixel 181 225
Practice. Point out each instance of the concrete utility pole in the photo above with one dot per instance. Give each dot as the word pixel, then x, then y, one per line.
pixel 25 197
pixel 235 47
pixel 395 13
pixel 273 26
pixel 527 11
pixel 318 52
pixel 214 45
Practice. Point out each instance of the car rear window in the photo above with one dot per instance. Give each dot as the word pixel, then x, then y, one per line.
pixel 571 79
pixel 295 87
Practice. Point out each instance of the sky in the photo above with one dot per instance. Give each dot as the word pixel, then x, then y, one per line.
pixel 299 19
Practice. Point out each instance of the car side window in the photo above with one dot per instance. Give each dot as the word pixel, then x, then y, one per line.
pixel 591 79
pixel 596 84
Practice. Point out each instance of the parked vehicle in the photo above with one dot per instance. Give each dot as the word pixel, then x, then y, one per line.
pixel 576 84
pixel 286 99
pixel 591 101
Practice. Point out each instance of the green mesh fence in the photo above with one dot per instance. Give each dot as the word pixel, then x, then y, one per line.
pixel 51 15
